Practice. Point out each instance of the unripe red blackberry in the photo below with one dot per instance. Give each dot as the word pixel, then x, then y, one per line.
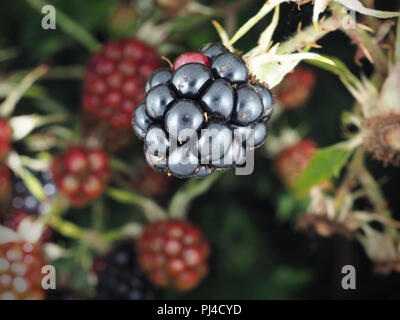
pixel 296 88
pixel 115 79
pixel 5 137
pixel 21 275
pixel 292 161
pixel 81 174
pixel 174 254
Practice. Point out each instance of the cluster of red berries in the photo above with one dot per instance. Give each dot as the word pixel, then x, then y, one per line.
pixel 5 137
pixel 81 174
pixel 21 266
pixel 174 254
pixel 115 80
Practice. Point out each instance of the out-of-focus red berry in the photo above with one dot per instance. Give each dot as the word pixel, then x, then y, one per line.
pixel 82 174
pixel 174 254
pixel 5 137
pixel 115 79
pixel 21 275
pixel 292 161
pixel 296 88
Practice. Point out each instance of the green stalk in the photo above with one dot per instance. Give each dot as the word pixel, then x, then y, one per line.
pixel 309 35
pixel 194 188
pixel 266 8
pixel 151 209
pixel 8 105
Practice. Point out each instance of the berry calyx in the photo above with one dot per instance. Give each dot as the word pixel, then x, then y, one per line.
pixel 174 254
pixel 383 138
pixel 82 174
pixel 190 57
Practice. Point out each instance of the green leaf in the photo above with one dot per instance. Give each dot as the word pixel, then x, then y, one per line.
pixel 339 68
pixel 288 207
pixel 194 188
pixel 327 163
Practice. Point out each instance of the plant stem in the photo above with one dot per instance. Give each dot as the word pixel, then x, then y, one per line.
pixel 194 188
pixel 265 9
pixel 361 37
pixel 8 105
pixel 309 35
pixel 151 209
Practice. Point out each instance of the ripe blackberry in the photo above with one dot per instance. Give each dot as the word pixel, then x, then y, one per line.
pixel 202 114
pixel 5 137
pixel 174 254
pixel 81 174
pixel 121 277
pixel 115 80
pixel 23 200
pixel 21 275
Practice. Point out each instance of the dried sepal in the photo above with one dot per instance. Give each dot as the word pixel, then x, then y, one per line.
pixel 383 139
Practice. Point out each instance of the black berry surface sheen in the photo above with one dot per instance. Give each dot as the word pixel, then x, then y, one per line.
pixel 202 117
pixel 122 278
